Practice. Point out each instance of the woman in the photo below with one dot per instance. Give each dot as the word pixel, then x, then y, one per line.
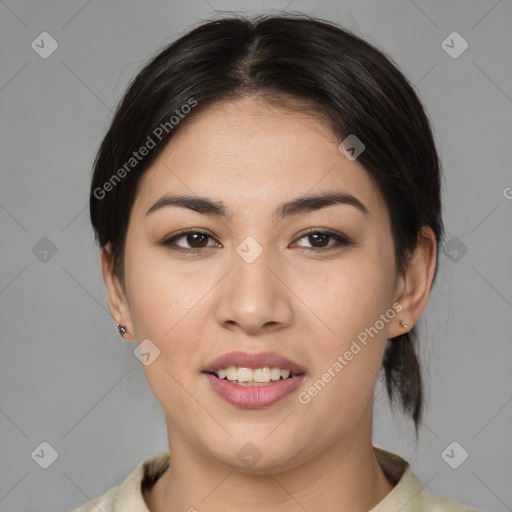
pixel 267 201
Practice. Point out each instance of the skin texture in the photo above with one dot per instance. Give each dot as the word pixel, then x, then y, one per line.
pixel 306 306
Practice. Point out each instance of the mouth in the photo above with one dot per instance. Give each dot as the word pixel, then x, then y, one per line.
pixel 253 380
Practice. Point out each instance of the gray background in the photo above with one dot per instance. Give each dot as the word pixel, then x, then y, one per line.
pixel 66 376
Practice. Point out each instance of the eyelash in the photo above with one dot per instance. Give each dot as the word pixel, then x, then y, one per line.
pixel 341 240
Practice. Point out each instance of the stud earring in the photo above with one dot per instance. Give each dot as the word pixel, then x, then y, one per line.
pixel 403 323
pixel 121 329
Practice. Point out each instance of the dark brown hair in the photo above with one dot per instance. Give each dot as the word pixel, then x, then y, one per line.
pixel 353 85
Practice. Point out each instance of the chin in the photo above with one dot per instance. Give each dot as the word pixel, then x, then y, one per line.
pixel 258 457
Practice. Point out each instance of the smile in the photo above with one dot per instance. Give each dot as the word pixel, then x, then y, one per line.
pixel 253 380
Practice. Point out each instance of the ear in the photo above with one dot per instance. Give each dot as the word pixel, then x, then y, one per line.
pixel 117 302
pixel 413 287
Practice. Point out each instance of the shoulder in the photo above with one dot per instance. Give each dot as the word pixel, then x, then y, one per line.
pixel 105 502
pixel 409 493
pixel 127 496
pixel 426 501
pixel 438 504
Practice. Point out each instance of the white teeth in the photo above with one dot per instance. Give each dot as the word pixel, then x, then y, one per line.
pixel 275 373
pixel 231 373
pixel 261 374
pixel 246 376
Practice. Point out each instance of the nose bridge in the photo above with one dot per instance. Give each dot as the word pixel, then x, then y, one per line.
pixel 254 285
pixel 252 296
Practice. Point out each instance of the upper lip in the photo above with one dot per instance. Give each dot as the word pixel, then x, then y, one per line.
pixel 247 360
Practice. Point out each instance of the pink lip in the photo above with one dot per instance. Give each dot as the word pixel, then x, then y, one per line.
pixel 246 360
pixel 253 397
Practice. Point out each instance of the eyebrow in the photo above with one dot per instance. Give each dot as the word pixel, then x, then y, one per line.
pixel 303 204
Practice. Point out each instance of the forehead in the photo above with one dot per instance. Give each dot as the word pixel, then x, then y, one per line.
pixel 247 152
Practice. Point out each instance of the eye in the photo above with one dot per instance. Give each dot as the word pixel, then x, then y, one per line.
pixel 318 240
pixel 195 239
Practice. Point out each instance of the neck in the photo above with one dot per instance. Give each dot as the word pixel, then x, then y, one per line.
pixel 346 472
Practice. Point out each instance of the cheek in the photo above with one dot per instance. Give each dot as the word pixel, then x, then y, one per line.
pixel 354 303
pixel 350 295
pixel 159 292
pixel 165 302
pixel 164 308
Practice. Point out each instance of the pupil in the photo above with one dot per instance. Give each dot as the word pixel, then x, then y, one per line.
pixel 192 238
pixel 316 237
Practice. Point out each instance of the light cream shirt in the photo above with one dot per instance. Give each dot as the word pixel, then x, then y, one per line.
pixel 408 495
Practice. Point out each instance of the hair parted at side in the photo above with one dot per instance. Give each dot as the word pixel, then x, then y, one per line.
pixel 347 81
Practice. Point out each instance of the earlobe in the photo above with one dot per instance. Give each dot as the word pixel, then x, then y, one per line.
pixel 414 286
pixel 117 301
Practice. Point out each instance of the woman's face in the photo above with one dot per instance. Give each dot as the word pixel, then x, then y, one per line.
pixel 255 282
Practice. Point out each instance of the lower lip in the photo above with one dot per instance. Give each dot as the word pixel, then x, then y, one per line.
pixel 253 397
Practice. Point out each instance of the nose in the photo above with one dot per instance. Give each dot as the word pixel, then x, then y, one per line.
pixel 252 298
